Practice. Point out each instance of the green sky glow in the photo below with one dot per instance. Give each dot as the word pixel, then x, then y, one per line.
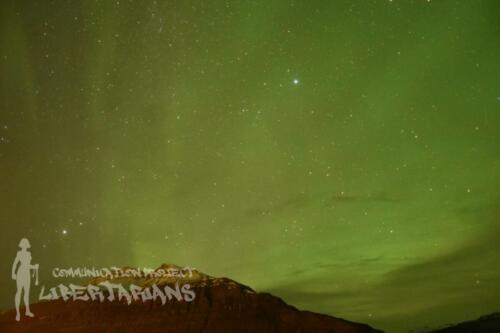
pixel 342 155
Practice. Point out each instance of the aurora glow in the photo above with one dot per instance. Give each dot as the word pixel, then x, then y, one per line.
pixel 342 155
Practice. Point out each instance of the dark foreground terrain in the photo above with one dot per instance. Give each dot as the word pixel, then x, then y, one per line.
pixel 485 324
pixel 220 305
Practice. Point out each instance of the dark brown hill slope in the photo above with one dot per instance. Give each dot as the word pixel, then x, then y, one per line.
pixel 220 305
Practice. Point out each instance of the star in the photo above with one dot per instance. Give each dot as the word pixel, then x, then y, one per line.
pixel 296 81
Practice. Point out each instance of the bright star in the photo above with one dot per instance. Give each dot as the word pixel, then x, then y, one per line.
pixel 295 81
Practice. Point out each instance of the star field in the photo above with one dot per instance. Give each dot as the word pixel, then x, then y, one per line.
pixel 342 155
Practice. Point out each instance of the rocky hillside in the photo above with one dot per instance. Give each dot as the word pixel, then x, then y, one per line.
pixel 220 305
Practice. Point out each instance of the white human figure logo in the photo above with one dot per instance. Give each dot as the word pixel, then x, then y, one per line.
pixel 23 276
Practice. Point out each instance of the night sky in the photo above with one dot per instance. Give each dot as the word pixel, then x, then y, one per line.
pixel 342 155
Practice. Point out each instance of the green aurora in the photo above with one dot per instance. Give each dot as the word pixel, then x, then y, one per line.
pixel 343 155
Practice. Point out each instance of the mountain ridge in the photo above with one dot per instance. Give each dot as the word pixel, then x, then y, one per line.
pixel 219 305
pixel 485 324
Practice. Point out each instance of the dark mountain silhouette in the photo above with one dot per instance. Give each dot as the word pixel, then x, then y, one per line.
pixel 220 305
pixel 484 324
